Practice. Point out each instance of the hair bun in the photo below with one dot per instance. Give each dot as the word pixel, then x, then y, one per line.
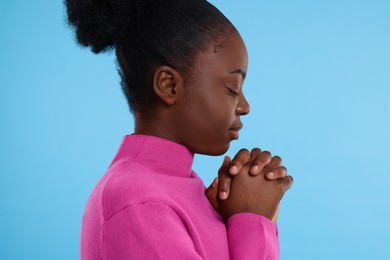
pixel 97 23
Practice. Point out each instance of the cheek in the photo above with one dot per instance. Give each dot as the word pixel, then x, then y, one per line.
pixel 218 117
pixel 209 108
pixel 206 124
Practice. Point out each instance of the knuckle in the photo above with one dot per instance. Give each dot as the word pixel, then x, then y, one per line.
pixel 222 173
pixel 224 184
pixel 283 170
pixel 278 172
pixel 291 180
pixel 288 181
pixel 261 161
pixel 267 154
pixel 242 157
pixel 256 151
pixel 285 184
pixel 243 150
pixel 277 159
pixel 221 176
pixel 265 157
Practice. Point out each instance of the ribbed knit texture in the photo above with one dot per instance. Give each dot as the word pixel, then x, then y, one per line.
pixel 151 205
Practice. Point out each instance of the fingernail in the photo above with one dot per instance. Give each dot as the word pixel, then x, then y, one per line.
pixel 270 174
pixel 223 195
pixel 255 169
pixel 233 169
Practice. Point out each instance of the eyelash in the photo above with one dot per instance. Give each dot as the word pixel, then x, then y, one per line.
pixel 232 92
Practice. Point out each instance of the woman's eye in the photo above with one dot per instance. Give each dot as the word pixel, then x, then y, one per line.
pixel 232 92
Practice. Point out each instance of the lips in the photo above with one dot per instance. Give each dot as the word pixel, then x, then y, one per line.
pixel 237 128
pixel 233 131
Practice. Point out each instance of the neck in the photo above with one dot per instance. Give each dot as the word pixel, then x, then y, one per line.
pixel 152 125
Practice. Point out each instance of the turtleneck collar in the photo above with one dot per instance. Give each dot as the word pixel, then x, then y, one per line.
pixel 160 155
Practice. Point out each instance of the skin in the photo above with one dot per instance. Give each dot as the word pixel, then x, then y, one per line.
pixel 265 200
pixel 246 196
pixel 260 159
pixel 202 112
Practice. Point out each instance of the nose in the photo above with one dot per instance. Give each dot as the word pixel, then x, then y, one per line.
pixel 243 107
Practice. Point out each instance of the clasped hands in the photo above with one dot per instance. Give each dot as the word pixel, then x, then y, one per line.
pixel 253 182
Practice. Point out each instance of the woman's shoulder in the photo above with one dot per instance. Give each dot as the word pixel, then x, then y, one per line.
pixel 128 183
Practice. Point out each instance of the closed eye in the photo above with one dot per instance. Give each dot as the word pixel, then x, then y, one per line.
pixel 232 92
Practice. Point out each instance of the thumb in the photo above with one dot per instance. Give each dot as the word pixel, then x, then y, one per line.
pixel 212 194
pixel 212 190
pixel 224 179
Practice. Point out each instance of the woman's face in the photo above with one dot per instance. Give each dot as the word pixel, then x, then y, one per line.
pixel 209 117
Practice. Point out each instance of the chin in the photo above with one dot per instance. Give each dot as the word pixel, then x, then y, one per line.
pixel 215 150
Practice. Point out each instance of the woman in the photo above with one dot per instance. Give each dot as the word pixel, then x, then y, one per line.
pixel 182 65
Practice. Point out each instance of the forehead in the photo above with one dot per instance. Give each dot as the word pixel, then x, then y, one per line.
pixel 225 58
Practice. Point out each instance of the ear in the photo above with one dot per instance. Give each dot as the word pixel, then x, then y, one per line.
pixel 167 84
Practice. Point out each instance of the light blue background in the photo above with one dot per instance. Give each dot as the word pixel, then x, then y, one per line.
pixel 318 84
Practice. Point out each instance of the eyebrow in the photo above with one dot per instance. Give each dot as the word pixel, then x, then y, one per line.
pixel 239 71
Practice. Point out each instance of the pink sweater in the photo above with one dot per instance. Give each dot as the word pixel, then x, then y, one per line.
pixel 151 205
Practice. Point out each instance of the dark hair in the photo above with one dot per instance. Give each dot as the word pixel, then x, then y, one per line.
pixel 146 34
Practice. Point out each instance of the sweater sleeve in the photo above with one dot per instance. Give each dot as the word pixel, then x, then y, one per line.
pixel 252 236
pixel 147 231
